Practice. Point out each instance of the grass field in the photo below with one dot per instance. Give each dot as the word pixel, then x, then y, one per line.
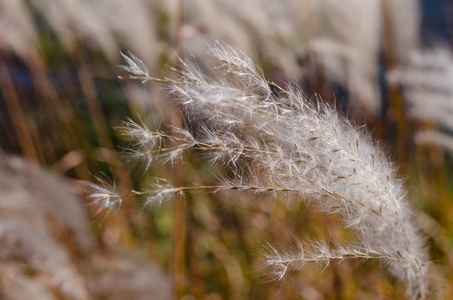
pixel 64 101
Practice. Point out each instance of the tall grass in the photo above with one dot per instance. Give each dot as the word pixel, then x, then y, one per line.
pixel 60 101
pixel 269 139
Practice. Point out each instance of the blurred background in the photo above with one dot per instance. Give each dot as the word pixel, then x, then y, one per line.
pixel 384 64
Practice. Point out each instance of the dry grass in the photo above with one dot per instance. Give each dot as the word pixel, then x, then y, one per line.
pixel 61 100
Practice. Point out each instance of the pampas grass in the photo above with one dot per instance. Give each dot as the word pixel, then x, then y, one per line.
pixel 426 82
pixel 272 140
pixel 305 40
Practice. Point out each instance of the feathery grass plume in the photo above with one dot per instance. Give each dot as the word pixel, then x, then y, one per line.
pixel 304 39
pixel 274 141
pixel 426 82
pixel 16 28
pixel 401 39
pixel 429 136
pixel 104 195
pixel 37 261
pixel 103 23
pixel 311 39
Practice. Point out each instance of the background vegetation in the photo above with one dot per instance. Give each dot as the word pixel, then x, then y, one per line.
pixel 385 64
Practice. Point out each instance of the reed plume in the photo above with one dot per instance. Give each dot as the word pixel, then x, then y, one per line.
pixel 273 140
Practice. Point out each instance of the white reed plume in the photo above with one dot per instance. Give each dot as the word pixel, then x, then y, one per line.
pixel 428 136
pixel 426 83
pixel 104 24
pixel 401 39
pixel 274 141
pixel 306 39
pixel 16 28
pixel 337 41
pixel 104 195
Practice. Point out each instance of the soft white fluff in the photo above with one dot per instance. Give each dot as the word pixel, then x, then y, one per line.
pixel 276 141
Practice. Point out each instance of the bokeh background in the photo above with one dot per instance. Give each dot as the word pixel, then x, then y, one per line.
pixel 385 64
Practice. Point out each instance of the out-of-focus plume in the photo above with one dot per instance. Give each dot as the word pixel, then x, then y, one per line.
pixel 34 208
pixel 426 82
pixel 48 251
pixel 103 24
pixel 339 42
pixel 308 39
